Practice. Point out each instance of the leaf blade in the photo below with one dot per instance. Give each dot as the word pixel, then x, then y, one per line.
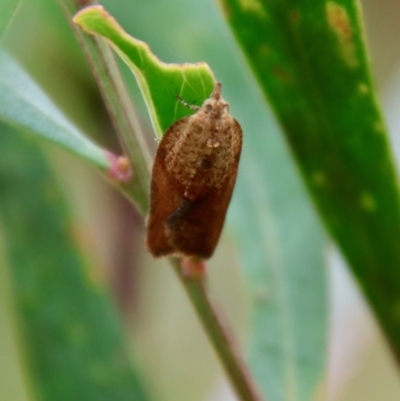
pixel 71 338
pixel 311 61
pixel 8 9
pixel 159 82
pixel 23 104
pixel 285 270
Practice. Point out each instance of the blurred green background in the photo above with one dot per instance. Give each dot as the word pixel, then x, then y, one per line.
pixel 180 363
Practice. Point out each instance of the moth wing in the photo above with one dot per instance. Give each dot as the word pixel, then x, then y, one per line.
pixel 197 231
pixel 165 196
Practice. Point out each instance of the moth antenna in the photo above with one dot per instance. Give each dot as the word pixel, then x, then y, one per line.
pixel 190 106
pixel 216 94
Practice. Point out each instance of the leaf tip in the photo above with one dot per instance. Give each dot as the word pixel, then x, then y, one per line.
pixel 77 18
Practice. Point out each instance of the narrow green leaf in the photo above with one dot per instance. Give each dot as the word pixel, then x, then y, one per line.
pixel 282 243
pixel 8 9
pixel 23 104
pixel 160 83
pixel 12 381
pixel 311 62
pixel 70 336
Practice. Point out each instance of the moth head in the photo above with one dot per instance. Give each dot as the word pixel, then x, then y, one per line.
pixel 215 105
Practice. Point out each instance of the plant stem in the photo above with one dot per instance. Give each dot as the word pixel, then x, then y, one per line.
pixel 103 66
pixel 109 81
pixel 220 336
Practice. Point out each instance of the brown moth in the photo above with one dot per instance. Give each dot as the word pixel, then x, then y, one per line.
pixel 193 176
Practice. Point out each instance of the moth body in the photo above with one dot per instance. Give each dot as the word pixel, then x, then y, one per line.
pixel 193 176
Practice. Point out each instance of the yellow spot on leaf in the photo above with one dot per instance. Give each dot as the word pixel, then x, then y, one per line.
pixel 253 6
pixel 319 178
pixel 378 127
pixel 363 88
pixel 368 202
pixel 264 50
pixel 338 20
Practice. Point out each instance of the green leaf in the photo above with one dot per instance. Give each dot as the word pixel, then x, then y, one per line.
pixel 159 83
pixel 8 9
pixel 12 381
pixel 311 62
pixel 23 104
pixel 283 246
pixel 70 336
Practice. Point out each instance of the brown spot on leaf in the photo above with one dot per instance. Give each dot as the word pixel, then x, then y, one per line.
pixel 282 74
pixel 294 16
pixel 339 21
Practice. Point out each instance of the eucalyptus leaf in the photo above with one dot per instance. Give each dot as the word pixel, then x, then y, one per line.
pixel 159 82
pixel 282 243
pixel 8 9
pixel 25 105
pixel 311 62
pixel 70 336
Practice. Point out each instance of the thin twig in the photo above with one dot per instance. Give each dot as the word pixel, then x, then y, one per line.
pixel 107 76
pixel 109 81
pixel 221 337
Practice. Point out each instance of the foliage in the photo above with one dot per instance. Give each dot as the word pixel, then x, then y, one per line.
pixel 310 62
